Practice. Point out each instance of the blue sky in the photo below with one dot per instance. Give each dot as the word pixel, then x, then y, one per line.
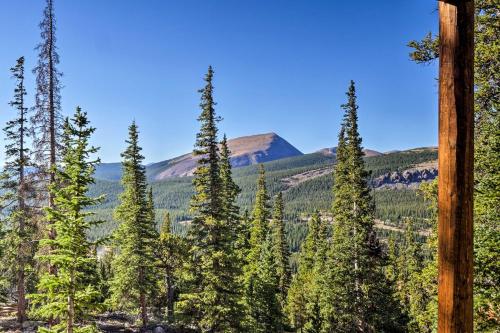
pixel 280 66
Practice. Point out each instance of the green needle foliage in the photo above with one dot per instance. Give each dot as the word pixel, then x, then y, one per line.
pixel 17 187
pixel 303 306
pixel 409 265
pixel 170 255
pixel 260 220
pixel 261 271
pixel 67 297
pixel 212 301
pixel 229 194
pixel 280 250
pixel 207 179
pixel 358 297
pixel 133 265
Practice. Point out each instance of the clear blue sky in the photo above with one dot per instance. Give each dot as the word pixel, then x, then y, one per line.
pixel 280 65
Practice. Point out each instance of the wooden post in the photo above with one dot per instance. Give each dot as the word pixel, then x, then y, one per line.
pixel 456 123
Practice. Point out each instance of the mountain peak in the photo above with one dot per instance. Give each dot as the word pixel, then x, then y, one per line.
pixel 245 150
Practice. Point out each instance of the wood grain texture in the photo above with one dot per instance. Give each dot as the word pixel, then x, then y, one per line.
pixel 456 123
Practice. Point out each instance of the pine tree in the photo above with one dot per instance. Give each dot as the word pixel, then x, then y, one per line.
pixel 47 120
pixel 18 193
pixel 318 280
pixel 67 298
pixel 212 301
pixel 408 265
pixel 229 192
pixel 266 307
pixel 358 294
pixel 207 178
pixel 303 298
pixel 170 255
pixel 280 249
pixel 424 309
pixel 260 274
pixel 260 218
pixel 391 269
pixel 133 265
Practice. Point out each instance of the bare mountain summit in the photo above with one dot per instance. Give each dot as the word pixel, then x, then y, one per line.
pixel 246 150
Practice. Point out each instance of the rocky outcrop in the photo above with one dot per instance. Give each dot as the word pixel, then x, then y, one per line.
pixel 406 178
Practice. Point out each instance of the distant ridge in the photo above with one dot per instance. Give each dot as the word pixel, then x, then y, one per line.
pixel 333 150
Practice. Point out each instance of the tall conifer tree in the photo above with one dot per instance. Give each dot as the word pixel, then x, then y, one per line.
pixel 358 288
pixel 170 255
pixel 260 219
pixel 18 193
pixel 260 273
pixel 409 265
pixel 280 250
pixel 133 265
pixel 212 301
pixel 303 298
pixel 229 192
pixel 68 298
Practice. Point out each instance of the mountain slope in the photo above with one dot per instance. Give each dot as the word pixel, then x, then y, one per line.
pixel 246 150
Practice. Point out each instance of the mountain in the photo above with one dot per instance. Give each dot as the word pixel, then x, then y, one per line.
pixel 245 151
pixel 333 150
pixel 108 171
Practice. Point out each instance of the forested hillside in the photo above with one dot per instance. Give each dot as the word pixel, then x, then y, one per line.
pixel 393 205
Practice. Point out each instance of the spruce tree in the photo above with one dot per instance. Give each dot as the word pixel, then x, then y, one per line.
pixel 280 250
pixel 260 219
pixel 359 295
pixel 18 194
pixel 212 298
pixel 409 264
pixel 266 307
pixel 170 255
pixel 68 298
pixel 391 269
pixel 229 192
pixel 133 265
pixel 260 273
pixel 304 307
pixel 207 178
pixel 424 308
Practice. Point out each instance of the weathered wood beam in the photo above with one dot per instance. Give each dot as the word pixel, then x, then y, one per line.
pixel 456 123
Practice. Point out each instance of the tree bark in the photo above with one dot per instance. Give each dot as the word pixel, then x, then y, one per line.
pixel 71 305
pixel 170 299
pixel 21 292
pixel 456 106
pixel 144 313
